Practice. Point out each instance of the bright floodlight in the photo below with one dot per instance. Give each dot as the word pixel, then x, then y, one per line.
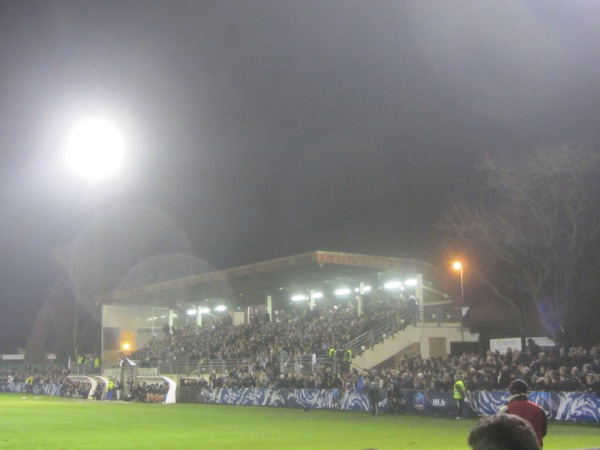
pixel 221 308
pixel 411 282
pixel 342 291
pixel 457 265
pixel 392 285
pixel 95 149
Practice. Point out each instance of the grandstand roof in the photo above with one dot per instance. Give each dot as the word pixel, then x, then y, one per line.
pixel 305 271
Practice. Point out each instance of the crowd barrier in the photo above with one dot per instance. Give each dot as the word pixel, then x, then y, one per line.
pixel 562 406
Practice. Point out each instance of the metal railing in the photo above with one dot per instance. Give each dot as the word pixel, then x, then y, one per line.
pixel 84 369
pixel 225 366
pixel 378 333
pixel 441 314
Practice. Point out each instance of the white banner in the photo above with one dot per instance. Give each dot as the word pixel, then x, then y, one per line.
pixel 502 344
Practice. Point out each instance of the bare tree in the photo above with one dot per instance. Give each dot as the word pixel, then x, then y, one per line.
pixel 536 219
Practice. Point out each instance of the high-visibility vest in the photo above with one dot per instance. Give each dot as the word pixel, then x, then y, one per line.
pixel 332 353
pixel 348 355
pixel 97 363
pixel 459 390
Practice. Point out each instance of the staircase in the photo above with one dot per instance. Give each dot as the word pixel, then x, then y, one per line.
pixel 398 335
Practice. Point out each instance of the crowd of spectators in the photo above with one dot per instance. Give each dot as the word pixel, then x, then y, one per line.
pixel 290 335
pixel 58 377
pixel 557 370
pixel 265 347
pixel 46 375
pixel 579 371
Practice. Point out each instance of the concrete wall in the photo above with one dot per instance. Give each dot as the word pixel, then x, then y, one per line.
pixel 425 339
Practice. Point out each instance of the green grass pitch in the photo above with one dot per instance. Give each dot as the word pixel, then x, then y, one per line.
pixel 44 422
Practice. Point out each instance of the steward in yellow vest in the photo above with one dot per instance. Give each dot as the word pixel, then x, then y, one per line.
pixel 459 396
pixel 29 384
pixel 332 353
pixel 348 355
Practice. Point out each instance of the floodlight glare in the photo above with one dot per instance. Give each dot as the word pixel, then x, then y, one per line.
pixel 298 297
pixel 366 288
pixel 411 282
pixel 192 312
pixel 317 295
pixel 204 310
pixel 221 308
pixel 392 285
pixel 342 291
pixel 95 149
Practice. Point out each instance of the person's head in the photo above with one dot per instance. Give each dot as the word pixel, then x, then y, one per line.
pixel 518 387
pixel 503 432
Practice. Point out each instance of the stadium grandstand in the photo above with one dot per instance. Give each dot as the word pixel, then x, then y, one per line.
pixel 422 318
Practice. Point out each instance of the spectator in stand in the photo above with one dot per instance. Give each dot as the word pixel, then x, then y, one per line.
pixel 565 384
pixel 413 305
pixel 595 357
pixel 590 384
pixel 508 356
pixel 541 361
pixel 504 378
pixel 533 349
pixel 564 359
pixel 575 379
pixel 582 358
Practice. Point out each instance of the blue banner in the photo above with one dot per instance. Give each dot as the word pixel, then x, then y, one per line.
pixel 564 406
pixel 558 406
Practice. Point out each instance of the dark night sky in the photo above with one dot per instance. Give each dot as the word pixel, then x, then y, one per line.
pixel 259 129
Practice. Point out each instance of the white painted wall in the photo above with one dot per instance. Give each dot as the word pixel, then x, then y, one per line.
pixel 410 335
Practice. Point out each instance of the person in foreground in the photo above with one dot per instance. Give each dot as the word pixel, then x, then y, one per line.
pixel 503 432
pixel 520 406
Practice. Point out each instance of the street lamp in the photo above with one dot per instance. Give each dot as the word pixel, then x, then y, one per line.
pixel 457 265
pixel 94 150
